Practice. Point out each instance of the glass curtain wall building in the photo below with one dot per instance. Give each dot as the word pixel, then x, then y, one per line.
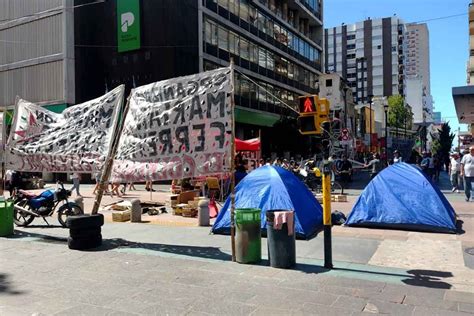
pixel 276 47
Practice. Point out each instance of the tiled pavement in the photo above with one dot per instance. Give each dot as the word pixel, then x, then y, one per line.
pixel 158 270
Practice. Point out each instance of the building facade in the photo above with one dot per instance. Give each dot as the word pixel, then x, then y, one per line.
pixel 70 51
pixel 37 53
pixel 417 60
pixel 370 55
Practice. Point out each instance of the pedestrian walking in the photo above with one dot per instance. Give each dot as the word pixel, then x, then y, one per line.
pixel 345 170
pixel 76 181
pixel 467 172
pixel 454 171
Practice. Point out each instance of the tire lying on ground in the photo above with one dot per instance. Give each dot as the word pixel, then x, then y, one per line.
pixel 85 221
pixel 84 243
pixel 85 231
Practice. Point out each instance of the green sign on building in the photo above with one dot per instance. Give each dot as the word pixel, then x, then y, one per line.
pixel 128 25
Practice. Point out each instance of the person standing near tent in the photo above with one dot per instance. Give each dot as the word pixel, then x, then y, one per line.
pixel 454 171
pixel 467 172
pixel 376 165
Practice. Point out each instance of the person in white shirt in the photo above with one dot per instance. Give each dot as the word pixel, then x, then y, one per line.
pixel 467 172
pixel 454 171
pixel 75 182
pixel 396 157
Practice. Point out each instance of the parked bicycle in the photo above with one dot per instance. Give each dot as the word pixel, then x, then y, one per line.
pixel 28 206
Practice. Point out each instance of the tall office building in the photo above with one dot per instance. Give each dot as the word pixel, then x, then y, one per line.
pixel 370 55
pixel 276 46
pixel 418 53
pixel 37 53
pixel 470 62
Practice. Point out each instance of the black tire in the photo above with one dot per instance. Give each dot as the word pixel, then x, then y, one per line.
pixel 68 210
pixel 84 243
pixel 85 221
pixel 83 233
pixel 20 218
pixel 336 188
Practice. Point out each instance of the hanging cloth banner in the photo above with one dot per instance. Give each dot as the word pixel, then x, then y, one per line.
pixel 76 140
pixel 177 128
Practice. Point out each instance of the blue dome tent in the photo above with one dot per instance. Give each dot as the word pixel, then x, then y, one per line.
pixel 274 188
pixel 402 197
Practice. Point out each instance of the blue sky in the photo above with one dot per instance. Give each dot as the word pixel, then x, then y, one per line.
pixel 449 38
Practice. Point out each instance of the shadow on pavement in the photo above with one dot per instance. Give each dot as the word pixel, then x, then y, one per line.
pixel 422 278
pixel 429 278
pixel 5 285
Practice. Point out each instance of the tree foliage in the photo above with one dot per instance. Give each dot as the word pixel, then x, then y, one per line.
pixel 443 143
pixel 398 113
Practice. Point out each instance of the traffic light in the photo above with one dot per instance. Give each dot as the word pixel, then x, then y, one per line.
pixel 313 112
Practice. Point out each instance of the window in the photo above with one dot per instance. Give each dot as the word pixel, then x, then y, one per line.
pixel 261 94
pixel 233 43
pixel 244 49
pixel 223 35
pixel 210 29
pixel 262 57
pixel 351 37
pixel 261 22
pixel 328 82
pixel 224 3
pixel 234 7
pixel 253 16
pixel 253 50
pixel 351 46
pixel 245 88
pixel 379 46
pixel 351 56
pixel 244 10
pixel 270 61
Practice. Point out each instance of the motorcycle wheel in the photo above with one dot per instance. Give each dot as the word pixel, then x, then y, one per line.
pixel 20 218
pixel 66 210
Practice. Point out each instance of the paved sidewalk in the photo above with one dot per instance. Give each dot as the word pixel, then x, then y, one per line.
pixel 125 277
pixel 150 269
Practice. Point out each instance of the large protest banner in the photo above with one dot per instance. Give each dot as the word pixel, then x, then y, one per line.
pixel 177 128
pixel 76 140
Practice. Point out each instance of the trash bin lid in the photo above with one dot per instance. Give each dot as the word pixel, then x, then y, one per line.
pixel 247 215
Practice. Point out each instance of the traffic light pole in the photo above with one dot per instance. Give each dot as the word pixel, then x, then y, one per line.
pixel 327 214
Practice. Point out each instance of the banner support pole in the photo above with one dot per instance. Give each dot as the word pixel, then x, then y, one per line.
pixel 232 164
pixel 109 161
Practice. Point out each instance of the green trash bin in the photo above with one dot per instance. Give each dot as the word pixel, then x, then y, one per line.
pixel 248 248
pixel 6 217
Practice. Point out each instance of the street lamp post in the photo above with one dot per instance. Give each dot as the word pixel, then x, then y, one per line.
pixel 345 105
pixel 385 108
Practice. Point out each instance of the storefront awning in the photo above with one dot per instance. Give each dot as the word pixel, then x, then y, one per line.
pixel 259 118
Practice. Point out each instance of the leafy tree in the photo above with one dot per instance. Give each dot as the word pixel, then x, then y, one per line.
pixel 443 143
pixel 398 113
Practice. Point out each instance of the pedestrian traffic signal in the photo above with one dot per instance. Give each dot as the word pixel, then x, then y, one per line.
pixel 313 112
pixel 308 104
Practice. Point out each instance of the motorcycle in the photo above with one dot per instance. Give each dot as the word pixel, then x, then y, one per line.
pixel 28 206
